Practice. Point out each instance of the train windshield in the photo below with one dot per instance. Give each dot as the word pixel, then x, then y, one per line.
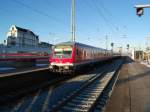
pixel 62 53
pixel 57 54
pixel 66 54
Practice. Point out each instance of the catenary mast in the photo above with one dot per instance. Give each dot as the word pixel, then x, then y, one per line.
pixel 73 29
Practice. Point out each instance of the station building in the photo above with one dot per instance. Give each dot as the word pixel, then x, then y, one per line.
pixel 21 37
pixel 44 45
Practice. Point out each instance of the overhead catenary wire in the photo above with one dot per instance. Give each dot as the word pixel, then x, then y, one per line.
pixel 102 15
pixel 48 2
pixel 38 12
pixel 97 9
pixel 89 5
pixel 106 11
pixel 99 13
pixel 102 6
pixel 5 11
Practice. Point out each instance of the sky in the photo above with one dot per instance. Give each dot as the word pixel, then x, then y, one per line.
pixel 95 20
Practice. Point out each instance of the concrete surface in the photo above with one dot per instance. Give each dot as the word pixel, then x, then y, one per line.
pixel 132 91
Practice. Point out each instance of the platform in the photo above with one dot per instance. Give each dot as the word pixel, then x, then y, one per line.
pixel 11 70
pixel 132 91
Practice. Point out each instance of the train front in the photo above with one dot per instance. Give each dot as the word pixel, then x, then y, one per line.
pixel 61 59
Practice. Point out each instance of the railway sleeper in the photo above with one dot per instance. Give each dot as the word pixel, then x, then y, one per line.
pixel 72 109
pixel 89 95
pixel 80 101
pixel 93 93
pixel 84 95
pixel 96 91
pixel 93 87
pixel 88 92
pixel 83 105
pixel 98 87
pixel 89 99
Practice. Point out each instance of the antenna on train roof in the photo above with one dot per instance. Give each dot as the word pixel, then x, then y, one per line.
pixel 73 21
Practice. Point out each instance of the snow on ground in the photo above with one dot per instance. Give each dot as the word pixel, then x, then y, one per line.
pixel 145 63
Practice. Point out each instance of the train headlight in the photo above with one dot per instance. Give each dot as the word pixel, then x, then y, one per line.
pixel 66 67
pixel 51 67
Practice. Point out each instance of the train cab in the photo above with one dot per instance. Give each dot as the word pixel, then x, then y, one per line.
pixel 61 59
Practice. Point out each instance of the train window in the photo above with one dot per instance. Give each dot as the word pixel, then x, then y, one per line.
pixel 77 52
pixel 84 54
pixel 57 54
pixel 66 54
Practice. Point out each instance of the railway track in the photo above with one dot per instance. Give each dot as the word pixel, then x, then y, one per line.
pixel 45 97
pixel 24 105
pixel 16 85
pixel 85 98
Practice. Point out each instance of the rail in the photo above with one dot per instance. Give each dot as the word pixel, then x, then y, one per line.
pixel 83 99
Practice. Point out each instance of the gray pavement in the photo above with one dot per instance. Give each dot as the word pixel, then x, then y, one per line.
pixel 132 91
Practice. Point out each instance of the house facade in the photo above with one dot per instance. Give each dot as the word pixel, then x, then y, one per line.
pixel 20 37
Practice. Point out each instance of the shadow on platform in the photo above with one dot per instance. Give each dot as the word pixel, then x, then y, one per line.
pixel 135 77
pixel 128 60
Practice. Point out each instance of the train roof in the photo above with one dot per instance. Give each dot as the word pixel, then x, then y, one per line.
pixel 77 43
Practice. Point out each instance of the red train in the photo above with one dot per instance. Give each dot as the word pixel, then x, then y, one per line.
pixel 71 56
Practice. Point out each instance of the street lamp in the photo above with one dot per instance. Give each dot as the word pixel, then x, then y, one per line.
pixel 140 9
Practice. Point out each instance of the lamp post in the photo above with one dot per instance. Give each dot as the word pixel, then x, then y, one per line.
pixel 140 9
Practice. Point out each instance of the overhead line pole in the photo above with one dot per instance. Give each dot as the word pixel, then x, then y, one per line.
pixel 106 42
pixel 73 27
